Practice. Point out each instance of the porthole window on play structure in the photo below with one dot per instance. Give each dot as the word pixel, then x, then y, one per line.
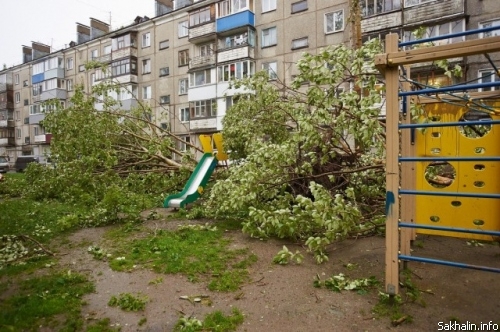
pixel 476 130
pixel 440 174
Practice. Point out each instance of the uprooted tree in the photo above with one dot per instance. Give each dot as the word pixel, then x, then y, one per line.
pixel 309 155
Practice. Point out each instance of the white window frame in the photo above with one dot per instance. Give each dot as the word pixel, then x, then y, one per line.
pixel 185 58
pixel 183 146
pixel 378 6
pixel 69 85
pixel 184 114
pixel 441 29
pixel 164 71
pixel 300 43
pixel 183 86
pixel 493 77
pixel 94 54
pixel 146 92
pixel 299 3
pixel 272 69
pixel 18 133
pixel 17 97
pixel 410 3
pixel 334 16
pixel 201 77
pixel 165 99
pixel 146 39
pixel 269 37
pixel 146 66
pixel 164 44
pixel 107 49
pixel 268 5
pixel 69 63
pixel 226 73
pixel 183 29
pixel 488 24
pixel 16 79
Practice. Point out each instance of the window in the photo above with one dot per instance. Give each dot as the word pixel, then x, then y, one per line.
pixel 183 86
pixel 183 29
pixel 18 133
pixel 26 102
pixel 184 114
pixel 183 58
pixel 164 44
pixel 16 79
pixel 146 66
pixel 207 49
pixel 18 115
pixel 488 25
pixel 123 42
pixel 165 99
pixel 94 54
pixel 237 70
pixel 409 3
pixel 25 83
pixel 69 63
pixel 228 7
pixel 268 5
pixel 183 146
pixel 201 77
pixel 123 67
pixel 35 109
pixel 107 49
pixel 37 89
pixel 69 85
pixel 81 68
pixel 300 43
pixel 439 30
pixel 146 40
pixel 269 37
pixel 488 76
pixel 165 126
pixel 199 16
pixel 334 22
pixel 203 108
pixel 146 92
pixel 299 6
pixel 38 68
pixel 18 97
pixel 374 7
pixel 272 69
pixel 165 71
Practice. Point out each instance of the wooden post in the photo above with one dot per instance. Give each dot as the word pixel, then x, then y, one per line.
pixel 392 171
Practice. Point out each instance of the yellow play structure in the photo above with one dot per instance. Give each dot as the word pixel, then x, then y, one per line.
pixel 442 172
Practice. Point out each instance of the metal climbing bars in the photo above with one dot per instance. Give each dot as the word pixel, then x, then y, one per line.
pixel 457 137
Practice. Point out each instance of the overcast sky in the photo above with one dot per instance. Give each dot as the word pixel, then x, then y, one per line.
pixel 53 22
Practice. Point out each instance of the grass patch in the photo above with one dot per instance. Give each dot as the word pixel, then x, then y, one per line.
pixel 199 254
pixel 53 301
pixel 129 302
pixel 215 322
pixel 102 325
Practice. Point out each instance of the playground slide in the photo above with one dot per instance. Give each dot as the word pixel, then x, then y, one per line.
pixel 196 183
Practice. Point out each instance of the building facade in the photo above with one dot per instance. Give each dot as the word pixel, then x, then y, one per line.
pixel 181 62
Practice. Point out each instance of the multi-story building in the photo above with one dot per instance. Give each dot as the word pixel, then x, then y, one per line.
pixel 181 62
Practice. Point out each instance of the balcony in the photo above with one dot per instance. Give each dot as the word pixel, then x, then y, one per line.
pixel 203 125
pixel 104 58
pixel 7 123
pixel 235 53
pixel 43 139
pixel 36 118
pixel 234 21
pixel 202 32
pixel 126 105
pixel 10 141
pixel 5 87
pixel 53 94
pixel 53 73
pixel 125 79
pixel 124 53
pixel 202 60
pixel 37 78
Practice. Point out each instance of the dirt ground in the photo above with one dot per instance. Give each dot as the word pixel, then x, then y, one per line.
pixel 282 298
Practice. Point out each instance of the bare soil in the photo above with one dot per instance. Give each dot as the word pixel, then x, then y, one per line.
pixel 282 298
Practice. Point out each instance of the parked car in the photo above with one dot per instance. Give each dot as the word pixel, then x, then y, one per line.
pixel 4 164
pixel 23 161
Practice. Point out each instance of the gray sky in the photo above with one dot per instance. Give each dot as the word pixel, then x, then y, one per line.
pixel 53 22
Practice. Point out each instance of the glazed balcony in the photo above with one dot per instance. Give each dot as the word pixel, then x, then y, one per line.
pixel 235 53
pixel 234 21
pixel 42 139
pixel 124 53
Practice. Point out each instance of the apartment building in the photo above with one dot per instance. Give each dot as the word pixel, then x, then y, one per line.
pixel 181 61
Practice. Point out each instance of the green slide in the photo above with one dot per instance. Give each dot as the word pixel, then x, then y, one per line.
pixel 196 183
